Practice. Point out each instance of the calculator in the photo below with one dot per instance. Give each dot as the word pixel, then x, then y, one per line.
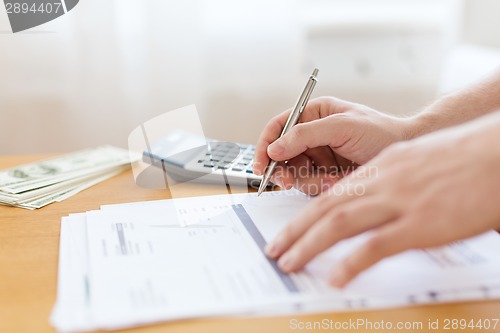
pixel 188 157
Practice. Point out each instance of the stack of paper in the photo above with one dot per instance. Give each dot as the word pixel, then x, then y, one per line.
pixel 41 183
pixel 146 262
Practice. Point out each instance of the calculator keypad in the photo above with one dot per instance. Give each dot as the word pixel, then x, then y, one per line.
pixel 228 156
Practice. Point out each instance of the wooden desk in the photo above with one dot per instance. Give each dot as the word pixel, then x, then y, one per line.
pixel 29 242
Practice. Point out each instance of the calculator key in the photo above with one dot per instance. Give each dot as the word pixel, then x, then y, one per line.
pixel 249 171
pixel 201 161
pixel 208 165
pixel 216 145
pixel 237 169
pixel 214 160
pixel 233 151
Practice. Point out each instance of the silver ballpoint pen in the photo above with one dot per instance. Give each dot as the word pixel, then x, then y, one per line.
pixel 292 120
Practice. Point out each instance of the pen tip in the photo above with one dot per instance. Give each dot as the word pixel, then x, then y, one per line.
pixel 261 189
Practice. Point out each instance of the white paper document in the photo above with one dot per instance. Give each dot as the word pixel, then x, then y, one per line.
pixel 139 263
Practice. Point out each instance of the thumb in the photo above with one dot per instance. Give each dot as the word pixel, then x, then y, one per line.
pixel 303 136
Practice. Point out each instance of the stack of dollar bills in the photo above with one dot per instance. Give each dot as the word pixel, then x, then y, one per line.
pixel 38 184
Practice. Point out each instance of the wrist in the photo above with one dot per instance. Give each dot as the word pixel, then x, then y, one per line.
pixel 415 126
pixel 412 127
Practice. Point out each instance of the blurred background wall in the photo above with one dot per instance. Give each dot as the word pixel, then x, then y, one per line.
pixel 93 75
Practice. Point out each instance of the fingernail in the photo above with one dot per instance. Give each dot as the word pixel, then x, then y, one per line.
pixel 278 181
pixel 327 184
pixel 257 167
pixel 276 148
pixel 338 279
pixel 272 249
pixel 285 263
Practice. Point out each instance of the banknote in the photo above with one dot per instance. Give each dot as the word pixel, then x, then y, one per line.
pixel 69 192
pixel 43 182
pixel 38 184
pixel 73 163
pixel 28 195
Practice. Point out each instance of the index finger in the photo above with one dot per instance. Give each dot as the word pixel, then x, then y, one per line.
pixel 271 132
pixel 388 240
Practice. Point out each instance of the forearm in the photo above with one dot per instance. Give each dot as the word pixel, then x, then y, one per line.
pixel 459 107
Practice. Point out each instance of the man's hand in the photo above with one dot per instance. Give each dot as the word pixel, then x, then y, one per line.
pixel 416 194
pixel 332 138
